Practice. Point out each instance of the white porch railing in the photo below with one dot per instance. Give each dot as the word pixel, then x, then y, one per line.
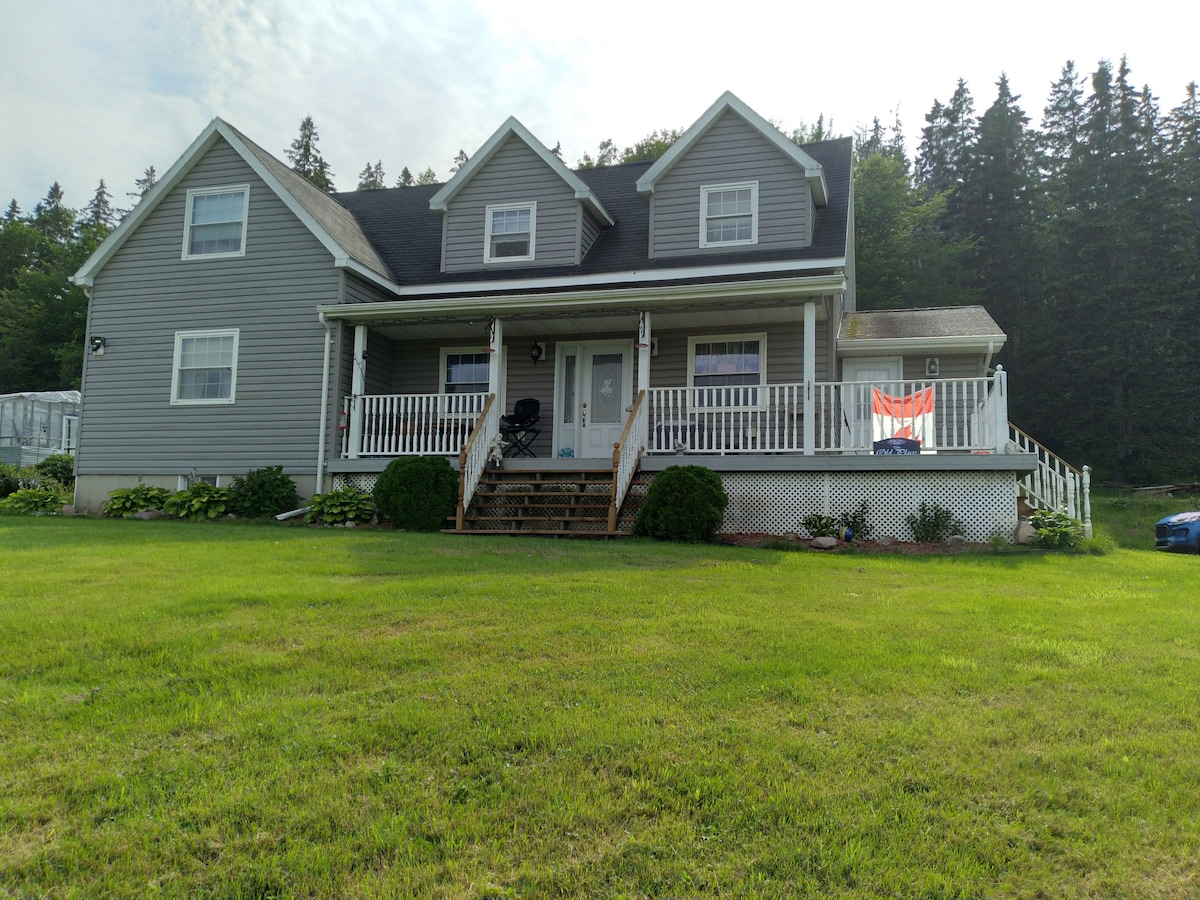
pixel 769 418
pixel 408 424
pixel 626 453
pixel 473 458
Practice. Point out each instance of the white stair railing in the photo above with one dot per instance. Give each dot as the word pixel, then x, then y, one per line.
pixel 1055 483
pixel 626 454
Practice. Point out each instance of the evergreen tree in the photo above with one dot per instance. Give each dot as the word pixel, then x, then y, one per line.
pixel 13 212
pixel 459 161
pixel 306 159
pixel 405 179
pixel 99 212
pixel 943 155
pixel 53 219
pixel 371 177
pixel 142 185
pixel 427 177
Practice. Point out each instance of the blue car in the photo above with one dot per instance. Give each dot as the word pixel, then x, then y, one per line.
pixel 1180 532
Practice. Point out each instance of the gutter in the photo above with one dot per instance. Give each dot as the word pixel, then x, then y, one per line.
pixel 983 343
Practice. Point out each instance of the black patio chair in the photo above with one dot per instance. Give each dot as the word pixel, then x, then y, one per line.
pixel 519 429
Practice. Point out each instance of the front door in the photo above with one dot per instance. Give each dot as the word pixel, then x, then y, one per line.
pixel 594 390
pixel 885 373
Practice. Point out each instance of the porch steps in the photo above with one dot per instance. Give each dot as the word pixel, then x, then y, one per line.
pixel 550 503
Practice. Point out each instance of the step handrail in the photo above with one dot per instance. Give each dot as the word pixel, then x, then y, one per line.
pixel 625 459
pixel 472 459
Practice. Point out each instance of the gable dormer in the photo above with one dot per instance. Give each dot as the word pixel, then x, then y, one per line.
pixel 733 182
pixel 515 205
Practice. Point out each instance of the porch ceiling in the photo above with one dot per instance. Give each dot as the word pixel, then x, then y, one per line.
pixel 552 323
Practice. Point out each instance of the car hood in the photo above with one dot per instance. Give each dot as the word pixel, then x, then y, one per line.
pixel 1182 518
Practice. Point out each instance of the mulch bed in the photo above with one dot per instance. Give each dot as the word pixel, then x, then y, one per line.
pixel 911 548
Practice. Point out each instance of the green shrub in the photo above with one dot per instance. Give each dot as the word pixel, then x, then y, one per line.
pixel 201 501
pixel 684 503
pixel 933 522
pixel 124 502
pixel 35 499
pixel 60 467
pixel 339 507
pixel 263 493
pixel 818 525
pixel 1055 530
pixel 8 480
pixel 860 528
pixel 417 492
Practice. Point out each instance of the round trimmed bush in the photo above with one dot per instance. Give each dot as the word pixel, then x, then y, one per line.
pixel 263 493
pixel 417 492
pixel 684 503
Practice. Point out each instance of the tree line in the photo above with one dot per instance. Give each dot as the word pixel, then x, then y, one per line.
pixel 1081 237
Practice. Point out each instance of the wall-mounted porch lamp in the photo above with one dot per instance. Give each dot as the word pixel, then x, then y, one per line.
pixel 536 352
pixel 96 345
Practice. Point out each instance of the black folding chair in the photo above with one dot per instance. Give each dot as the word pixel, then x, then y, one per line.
pixel 519 429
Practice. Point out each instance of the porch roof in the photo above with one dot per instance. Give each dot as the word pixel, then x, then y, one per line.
pixel 961 328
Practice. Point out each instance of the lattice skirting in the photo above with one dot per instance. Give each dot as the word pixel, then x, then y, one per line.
pixel 364 481
pixel 776 502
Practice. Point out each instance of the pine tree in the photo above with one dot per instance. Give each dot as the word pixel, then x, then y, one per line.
pixel 143 184
pixel 13 212
pixel 52 218
pixel 371 177
pixel 405 179
pixel 427 177
pixel 459 161
pixel 306 159
pixel 946 140
pixel 99 212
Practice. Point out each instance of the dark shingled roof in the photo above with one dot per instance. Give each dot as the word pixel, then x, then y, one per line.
pixel 935 322
pixel 407 235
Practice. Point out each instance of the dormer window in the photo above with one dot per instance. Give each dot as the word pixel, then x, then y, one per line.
pixel 729 214
pixel 216 223
pixel 510 232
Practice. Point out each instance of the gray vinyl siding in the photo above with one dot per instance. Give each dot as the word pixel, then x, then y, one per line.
pixel 146 293
pixel 515 174
pixel 731 152
pixel 590 231
pixel 358 291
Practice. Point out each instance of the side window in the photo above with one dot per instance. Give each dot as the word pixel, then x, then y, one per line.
pixel 729 214
pixel 215 226
pixel 205 368
pixel 464 371
pixel 510 232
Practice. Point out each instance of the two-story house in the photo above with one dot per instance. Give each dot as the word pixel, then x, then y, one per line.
pixel 699 309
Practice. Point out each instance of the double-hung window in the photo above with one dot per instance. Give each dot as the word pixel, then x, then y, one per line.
pixel 727 370
pixel 465 372
pixel 205 369
pixel 510 232
pixel 729 214
pixel 215 226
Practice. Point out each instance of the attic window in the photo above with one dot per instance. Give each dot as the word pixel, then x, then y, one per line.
pixel 510 232
pixel 216 223
pixel 729 214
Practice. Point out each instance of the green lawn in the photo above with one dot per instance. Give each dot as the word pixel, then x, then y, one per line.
pixel 255 711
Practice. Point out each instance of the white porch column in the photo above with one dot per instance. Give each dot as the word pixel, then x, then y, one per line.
pixel 810 377
pixel 496 351
pixel 1001 393
pixel 358 387
pixel 645 343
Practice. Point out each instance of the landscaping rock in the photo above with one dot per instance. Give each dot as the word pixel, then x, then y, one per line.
pixel 67 510
pixel 1025 532
pixel 824 543
pixel 148 514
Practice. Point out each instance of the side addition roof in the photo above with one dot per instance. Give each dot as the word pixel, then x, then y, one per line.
pixel 729 102
pixel 330 222
pixel 440 201
pixel 949 328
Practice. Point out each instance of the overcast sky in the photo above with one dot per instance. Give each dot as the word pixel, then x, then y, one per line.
pixel 105 88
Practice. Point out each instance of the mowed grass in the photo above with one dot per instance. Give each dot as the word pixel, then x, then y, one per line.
pixel 253 711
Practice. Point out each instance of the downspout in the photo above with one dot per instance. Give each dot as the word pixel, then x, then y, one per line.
pixel 320 486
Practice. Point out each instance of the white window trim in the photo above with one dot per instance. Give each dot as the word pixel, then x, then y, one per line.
pixel 450 351
pixel 187 220
pixel 180 336
pixel 487 232
pixel 707 189
pixel 761 337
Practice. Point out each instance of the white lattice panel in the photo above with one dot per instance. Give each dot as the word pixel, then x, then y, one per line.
pixel 363 481
pixel 777 502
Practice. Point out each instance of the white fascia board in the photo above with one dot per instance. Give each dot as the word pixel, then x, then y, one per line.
pixel 87 272
pixel 979 343
pixel 570 282
pixel 440 201
pixel 813 170
pixel 633 298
